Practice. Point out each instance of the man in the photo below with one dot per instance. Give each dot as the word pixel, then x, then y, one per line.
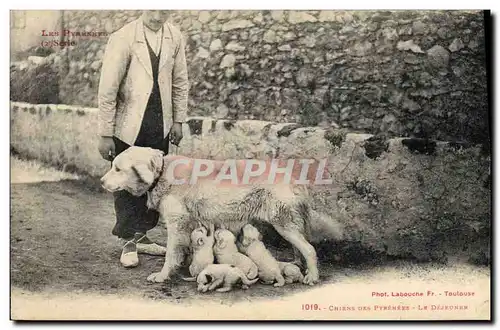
pixel 143 93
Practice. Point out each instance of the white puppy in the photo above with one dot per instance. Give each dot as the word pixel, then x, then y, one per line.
pixel 252 246
pixel 291 272
pixel 202 243
pixel 222 278
pixel 226 252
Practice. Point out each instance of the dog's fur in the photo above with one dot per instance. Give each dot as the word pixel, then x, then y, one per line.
pixel 202 244
pixel 284 206
pixel 223 277
pixel 290 272
pixel 250 243
pixel 226 252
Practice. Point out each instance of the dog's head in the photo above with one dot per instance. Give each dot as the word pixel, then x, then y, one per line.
pixel 224 238
pixel 201 236
pixel 134 170
pixel 203 281
pixel 249 234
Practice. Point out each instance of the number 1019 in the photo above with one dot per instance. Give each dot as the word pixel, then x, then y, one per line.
pixel 310 307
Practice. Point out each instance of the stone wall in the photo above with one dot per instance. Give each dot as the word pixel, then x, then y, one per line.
pixel 413 198
pixel 404 73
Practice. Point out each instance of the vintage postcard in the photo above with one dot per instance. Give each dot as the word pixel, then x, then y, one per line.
pixel 250 165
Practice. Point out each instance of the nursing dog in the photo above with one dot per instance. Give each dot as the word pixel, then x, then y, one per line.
pixel 225 203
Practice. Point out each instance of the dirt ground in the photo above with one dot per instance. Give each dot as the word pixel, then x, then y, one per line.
pixel 61 243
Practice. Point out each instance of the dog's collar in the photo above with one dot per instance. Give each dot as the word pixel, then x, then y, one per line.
pixel 155 182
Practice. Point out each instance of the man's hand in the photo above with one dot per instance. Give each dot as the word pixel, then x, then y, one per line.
pixel 107 147
pixel 176 134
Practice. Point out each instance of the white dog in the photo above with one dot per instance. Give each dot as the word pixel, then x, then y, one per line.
pixel 231 206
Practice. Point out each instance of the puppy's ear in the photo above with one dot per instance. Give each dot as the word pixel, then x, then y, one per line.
pixel 144 173
pixel 202 279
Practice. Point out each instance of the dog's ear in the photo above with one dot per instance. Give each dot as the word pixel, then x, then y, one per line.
pixel 157 162
pixel 144 173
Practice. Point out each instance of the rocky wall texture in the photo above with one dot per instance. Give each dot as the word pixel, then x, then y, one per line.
pixel 405 73
pixel 403 197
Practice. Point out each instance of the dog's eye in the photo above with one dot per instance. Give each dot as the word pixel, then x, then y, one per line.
pixel 117 169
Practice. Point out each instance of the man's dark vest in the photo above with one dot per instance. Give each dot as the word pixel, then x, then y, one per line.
pixel 151 132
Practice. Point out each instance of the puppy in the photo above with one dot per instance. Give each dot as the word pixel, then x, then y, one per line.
pixel 222 277
pixel 226 252
pixel 202 243
pixel 251 245
pixel 290 272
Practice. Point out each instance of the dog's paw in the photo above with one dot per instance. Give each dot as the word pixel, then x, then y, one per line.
pixel 311 278
pixel 280 281
pixel 157 277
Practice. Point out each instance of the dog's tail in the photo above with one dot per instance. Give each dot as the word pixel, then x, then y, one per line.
pixel 253 272
pixel 189 279
pixel 324 227
pixel 246 281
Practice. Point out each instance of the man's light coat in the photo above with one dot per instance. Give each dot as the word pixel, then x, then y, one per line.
pixel 127 81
